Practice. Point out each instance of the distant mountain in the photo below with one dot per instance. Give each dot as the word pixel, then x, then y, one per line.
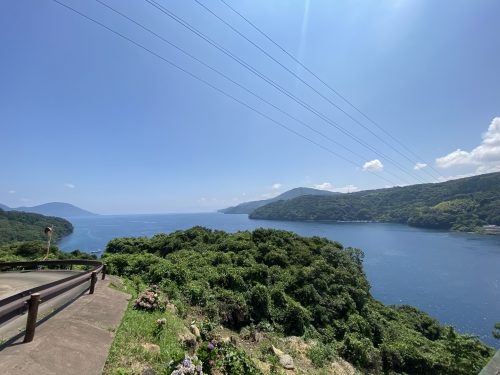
pixel 56 209
pixel 249 207
pixel 4 207
pixel 464 204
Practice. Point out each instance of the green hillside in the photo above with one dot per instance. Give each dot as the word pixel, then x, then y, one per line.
pixel 276 281
pixel 464 204
pixel 23 226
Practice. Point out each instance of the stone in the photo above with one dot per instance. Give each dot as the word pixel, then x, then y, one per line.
pixel 188 339
pixel 257 336
pixel 148 371
pixel 286 360
pixel 171 307
pixel 152 348
pixel 195 331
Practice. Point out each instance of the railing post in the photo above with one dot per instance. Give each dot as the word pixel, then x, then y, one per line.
pixel 93 281
pixel 103 271
pixel 32 313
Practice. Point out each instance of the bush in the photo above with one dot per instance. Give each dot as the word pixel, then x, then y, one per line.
pixel 296 286
pixel 259 302
pixel 320 354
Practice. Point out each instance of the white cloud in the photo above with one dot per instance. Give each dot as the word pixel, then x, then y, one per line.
pixel 419 166
pixel 344 189
pixel 69 186
pixel 12 192
pixel 485 157
pixel 276 186
pixel 373 166
pixel 324 186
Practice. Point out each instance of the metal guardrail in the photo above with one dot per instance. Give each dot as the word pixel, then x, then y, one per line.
pixel 30 299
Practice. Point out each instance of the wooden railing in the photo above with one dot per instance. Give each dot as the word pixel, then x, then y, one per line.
pixel 29 299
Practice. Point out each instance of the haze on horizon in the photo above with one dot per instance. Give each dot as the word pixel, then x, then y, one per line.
pixel 89 118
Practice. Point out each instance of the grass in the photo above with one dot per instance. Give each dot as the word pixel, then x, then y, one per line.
pixel 127 355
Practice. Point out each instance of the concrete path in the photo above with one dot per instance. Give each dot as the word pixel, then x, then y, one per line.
pixel 75 341
pixel 493 366
pixel 17 281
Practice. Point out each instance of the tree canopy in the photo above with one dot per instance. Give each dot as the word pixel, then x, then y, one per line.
pixel 24 226
pixel 310 287
pixel 464 204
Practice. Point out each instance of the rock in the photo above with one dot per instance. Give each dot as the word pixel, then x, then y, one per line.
pixel 195 331
pixel 171 307
pixel 342 367
pixel 257 336
pixel 298 345
pixel 148 371
pixel 233 340
pixel 188 339
pixel 152 348
pixel 285 360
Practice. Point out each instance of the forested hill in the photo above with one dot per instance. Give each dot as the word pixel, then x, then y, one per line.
pixel 23 226
pixel 463 204
pixel 276 281
pixel 248 207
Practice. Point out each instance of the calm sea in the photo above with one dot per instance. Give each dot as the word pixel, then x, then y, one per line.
pixel 455 277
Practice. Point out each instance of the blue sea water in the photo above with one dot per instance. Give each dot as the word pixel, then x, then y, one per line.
pixel 455 277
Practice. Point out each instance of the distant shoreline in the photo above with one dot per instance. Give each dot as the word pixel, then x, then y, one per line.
pixel 492 230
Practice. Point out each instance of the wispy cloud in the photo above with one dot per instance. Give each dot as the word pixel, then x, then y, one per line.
pixel 346 189
pixel 419 166
pixel 324 186
pixel 484 158
pixel 373 166
pixel 12 192
pixel 329 187
pixel 69 186
pixel 277 186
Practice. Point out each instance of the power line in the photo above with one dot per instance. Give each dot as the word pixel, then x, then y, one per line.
pixel 274 84
pixel 297 61
pixel 233 81
pixel 194 76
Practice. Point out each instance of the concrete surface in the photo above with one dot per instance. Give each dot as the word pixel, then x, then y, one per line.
pixel 17 281
pixel 75 340
pixel 493 366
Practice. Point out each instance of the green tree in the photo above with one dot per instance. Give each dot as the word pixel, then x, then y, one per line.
pixel 496 331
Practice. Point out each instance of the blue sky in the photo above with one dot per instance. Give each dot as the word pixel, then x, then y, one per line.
pixel 90 119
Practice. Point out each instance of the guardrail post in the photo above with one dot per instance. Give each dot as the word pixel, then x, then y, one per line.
pixel 32 313
pixel 103 271
pixel 93 281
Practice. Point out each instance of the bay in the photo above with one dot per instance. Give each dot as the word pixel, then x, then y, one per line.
pixel 455 277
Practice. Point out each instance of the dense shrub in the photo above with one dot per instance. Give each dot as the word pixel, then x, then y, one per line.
pixel 296 286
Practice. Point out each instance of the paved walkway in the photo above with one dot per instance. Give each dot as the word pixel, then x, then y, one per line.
pixel 75 341
pixel 17 281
